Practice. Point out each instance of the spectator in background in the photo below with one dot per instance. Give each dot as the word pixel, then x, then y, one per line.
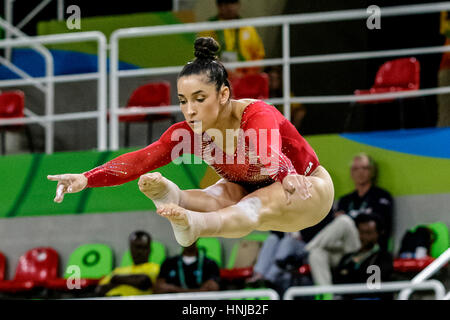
pixel 280 254
pixel 298 111
pixel 341 236
pixel 444 75
pixel 267 271
pixel 367 197
pixel 242 44
pixel 191 271
pixel 358 266
pixel 137 279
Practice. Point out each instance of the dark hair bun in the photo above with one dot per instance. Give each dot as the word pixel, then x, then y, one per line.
pixel 206 48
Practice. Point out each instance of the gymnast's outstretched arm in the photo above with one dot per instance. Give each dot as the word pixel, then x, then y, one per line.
pixel 133 165
pixel 125 168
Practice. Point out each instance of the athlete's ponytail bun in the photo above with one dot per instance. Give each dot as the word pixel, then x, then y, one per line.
pixel 206 48
pixel 207 63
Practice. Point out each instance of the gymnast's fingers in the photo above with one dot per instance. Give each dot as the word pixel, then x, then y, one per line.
pixel 288 196
pixel 300 187
pixel 54 177
pixel 289 189
pixel 59 177
pixel 308 183
pixel 305 185
pixel 60 189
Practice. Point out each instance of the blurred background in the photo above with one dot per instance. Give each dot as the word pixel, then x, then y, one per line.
pixel 407 136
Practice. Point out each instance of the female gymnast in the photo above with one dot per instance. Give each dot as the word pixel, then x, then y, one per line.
pixel 271 178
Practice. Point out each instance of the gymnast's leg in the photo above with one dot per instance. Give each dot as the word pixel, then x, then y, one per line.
pixel 163 191
pixel 264 209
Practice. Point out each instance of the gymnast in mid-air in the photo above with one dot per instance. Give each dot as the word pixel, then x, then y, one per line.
pixel 271 178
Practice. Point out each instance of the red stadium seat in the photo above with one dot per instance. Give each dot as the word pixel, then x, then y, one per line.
pixel 154 94
pixel 411 265
pixel 12 104
pixel 254 86
pixel 236 273
pixel 2 266
pixel 304 269
pixel 61 284
pixel 394 76
pixel 35 267
pixel 399 75
pixel 400 265
pixel 93 260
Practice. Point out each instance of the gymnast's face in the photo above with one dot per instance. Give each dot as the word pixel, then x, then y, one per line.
pixel 200 102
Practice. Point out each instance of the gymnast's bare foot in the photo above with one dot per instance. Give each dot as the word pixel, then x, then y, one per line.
pixel 159 189
pixel 174 213
pixel 185 232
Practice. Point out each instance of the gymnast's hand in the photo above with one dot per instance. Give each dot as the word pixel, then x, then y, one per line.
pixel 68 183
pixel 293 183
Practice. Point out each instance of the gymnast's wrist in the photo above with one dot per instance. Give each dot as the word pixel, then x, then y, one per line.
pixel 88 175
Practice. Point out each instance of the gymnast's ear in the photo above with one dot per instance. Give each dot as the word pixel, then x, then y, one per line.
pixel 224 94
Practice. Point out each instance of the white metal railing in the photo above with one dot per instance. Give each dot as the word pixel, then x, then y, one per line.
pixel 292 292
pixel 284 21
pixel 56 79
pixel 101 76
pixel 48 89
pixel 23 74
pixel 33 13
pixel 428 272
pixel 434 285
pixel 210 295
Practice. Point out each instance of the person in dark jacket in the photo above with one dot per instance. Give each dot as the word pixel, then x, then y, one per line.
pixel 369 264
pixel 191 271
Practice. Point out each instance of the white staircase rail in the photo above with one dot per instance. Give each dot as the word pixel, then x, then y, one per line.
pixel 284 21
pixel 428 272
pixel 435 285
pixel 9 7
pixel 9 14
pixel 49 87
pixel 32 13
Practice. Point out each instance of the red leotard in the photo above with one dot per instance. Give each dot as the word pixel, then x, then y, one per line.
pixel 288 151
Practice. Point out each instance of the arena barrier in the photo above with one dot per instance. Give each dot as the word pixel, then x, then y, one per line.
pixel 428 272
pixel 211 295
pixel 434 285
